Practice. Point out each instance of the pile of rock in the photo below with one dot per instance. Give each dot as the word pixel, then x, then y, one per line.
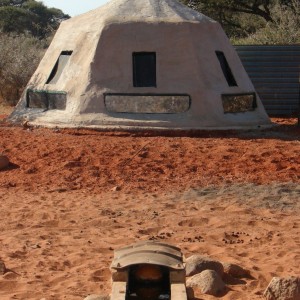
pixel 206 275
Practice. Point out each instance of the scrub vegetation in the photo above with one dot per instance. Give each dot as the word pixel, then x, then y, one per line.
pixel 19 57
pixel 27 27
pixel 254 21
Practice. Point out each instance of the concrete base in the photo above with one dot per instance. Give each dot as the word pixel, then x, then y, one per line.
pixel 118 291
pixel 178 291
pixel 60 119
pixel 146 128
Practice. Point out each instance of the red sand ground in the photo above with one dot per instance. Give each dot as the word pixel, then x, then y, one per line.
pixel 81 159
pixel 72 196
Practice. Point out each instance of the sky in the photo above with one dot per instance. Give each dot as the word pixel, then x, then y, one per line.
pixel 74 7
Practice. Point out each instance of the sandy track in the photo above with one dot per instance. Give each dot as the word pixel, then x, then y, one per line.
pixel 61 244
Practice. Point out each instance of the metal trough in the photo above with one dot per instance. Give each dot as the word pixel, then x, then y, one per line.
pixel 148 270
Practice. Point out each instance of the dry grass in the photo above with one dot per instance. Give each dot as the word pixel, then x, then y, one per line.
pixel 5 109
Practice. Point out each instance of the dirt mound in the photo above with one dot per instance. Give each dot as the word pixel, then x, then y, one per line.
pixel 81 159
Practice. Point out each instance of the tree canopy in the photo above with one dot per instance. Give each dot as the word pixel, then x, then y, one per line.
pixel 241 18
pixel 29 16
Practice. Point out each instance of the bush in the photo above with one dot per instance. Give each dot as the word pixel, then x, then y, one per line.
pixel 284 29
pixel 19 57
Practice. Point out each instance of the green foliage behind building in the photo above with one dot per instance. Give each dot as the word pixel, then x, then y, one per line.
pixel 29 17
pixel 254 21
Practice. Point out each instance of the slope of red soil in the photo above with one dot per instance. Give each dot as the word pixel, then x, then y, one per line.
pixel 100 161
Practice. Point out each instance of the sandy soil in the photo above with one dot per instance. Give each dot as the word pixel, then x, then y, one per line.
pixel 70 197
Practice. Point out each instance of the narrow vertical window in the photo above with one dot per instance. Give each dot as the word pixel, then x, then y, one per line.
pixel 144 69
pixel 59 67
pixel 226 69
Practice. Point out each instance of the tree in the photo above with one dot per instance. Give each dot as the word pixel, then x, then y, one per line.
pixel 271 21
pixel 283 30
pixel 15 19
pixel 233 14
pixel 29 16
pixel 255 7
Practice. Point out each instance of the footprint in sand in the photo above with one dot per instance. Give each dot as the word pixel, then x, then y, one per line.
pixel 193 222
pixel 236 237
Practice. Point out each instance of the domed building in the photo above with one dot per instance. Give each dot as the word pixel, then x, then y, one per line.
pixel 141 64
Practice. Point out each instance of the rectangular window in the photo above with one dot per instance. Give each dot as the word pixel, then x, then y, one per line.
pixel 59 67
pixel 147 104
pixel 226 69
pixel 239 103
pixel 46 99
pixel 144 69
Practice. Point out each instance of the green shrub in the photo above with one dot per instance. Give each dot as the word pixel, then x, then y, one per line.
pixel 284 30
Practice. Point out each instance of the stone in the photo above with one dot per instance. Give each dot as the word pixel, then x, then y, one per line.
pixel 97 297
pixel 4 162
pixel 116 189
pixel 3 269
pixel 10 275
pixel 25 124
pixel 195 264
pixel 235 270
pixel 208 281
pixel 283 289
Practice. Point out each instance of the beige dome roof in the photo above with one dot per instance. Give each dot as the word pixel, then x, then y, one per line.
pixel 145 10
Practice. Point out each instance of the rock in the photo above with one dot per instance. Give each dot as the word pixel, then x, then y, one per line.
pixel 283 289
pixel 235 270
pixel 10 275
pixel 116 189
pixel 97 297
pixel 3 269
pixel 197 263
pixel 26 124
pixel 208 281
pixel 4 162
